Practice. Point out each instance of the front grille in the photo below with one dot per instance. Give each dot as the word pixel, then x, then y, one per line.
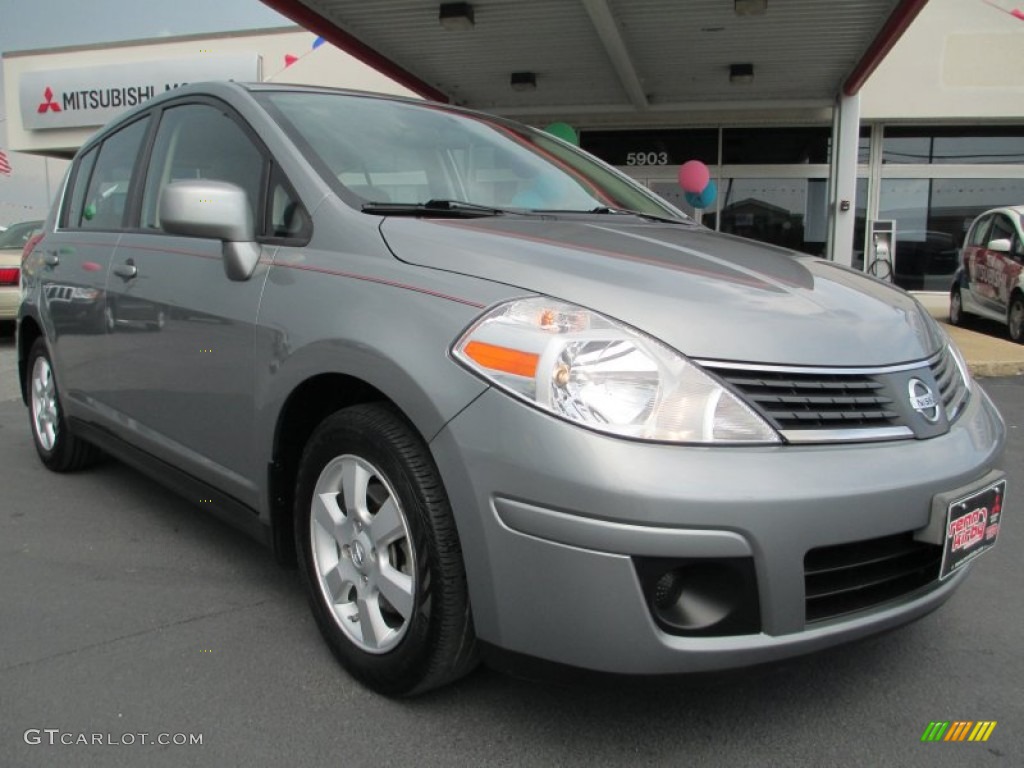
pixel 822 405
pixel 952 387
pixel 847 578
pixel 815 401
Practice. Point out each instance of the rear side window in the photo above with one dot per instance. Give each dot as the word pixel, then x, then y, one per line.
pixel 109 184
pixel 200 141
pixel 73 212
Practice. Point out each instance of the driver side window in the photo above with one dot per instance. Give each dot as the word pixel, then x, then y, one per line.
pixel 200 141
pixel 977 237
pixel 1002 229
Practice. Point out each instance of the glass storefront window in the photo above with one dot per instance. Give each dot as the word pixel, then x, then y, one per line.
pixel 775 146
pixel 945 146
pixel 932 216
pixel 792 213
pixel 671 191
pixel 860 222
pixel 652 148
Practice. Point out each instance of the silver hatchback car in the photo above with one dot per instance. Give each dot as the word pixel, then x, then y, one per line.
pixel 495 398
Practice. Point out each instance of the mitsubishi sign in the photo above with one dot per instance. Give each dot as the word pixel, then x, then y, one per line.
pixel 91 96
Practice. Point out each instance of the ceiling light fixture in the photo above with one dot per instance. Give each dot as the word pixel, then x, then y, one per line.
pixel 523 81
pixel 750 7
pixel 741 73
pixel 454 16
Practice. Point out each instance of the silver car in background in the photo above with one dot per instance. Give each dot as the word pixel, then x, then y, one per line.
pixel 495 398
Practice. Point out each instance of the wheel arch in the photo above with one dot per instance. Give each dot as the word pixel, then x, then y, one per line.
pixel 28 332
pixel 305 407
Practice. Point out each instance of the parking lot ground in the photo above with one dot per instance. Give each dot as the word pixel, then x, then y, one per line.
pixel 125 610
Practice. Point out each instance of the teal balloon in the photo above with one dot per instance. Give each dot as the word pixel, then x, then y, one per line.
pixel 704 198
pixel 565 132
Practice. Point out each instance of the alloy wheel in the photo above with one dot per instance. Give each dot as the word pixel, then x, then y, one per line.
pixel 362 553
pixel 45 415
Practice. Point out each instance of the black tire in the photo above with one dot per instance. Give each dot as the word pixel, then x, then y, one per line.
pixel 60 451
pixel 956 308
pixel 1015 318
pixel 433 645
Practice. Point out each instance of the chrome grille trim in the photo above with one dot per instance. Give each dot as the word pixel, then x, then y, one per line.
pixel 952 382
pixel 818 371
pixel 846 435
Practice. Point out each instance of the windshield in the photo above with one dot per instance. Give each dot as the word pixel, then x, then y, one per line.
pixel 407 153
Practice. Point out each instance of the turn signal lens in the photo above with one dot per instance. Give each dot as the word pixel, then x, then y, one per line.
pixel 503 359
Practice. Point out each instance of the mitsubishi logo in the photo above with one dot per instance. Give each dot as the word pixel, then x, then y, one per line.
pixel 49 105
pixel 922 400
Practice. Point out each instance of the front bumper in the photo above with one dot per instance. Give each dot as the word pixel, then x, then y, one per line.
pixel 553 518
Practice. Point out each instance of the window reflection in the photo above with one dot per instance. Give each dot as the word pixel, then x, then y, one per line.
pixel 932 216
pixel 792 213
pixel 944 146
pixel 673 193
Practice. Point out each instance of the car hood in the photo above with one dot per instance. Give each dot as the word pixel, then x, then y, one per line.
pixel 708 295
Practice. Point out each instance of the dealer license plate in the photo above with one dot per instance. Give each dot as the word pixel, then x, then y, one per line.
pixel 972 525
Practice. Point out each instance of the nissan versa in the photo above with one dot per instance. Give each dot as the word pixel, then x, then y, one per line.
pixel 495 397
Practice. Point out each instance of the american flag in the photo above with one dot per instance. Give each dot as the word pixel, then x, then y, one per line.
pixel 5 166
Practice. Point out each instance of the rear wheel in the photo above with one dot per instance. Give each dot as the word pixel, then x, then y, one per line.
pixel 59 450
pixel 380 554
pixel 1015 318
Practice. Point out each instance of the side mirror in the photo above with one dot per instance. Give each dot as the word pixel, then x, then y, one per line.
pixel 1002 245
pixel 213 209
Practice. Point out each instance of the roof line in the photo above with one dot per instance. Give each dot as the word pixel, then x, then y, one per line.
pixel 890 33
pixel 229 34
pixel 332 33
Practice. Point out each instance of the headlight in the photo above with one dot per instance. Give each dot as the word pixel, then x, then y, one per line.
pixel 589 369
pixel 961 361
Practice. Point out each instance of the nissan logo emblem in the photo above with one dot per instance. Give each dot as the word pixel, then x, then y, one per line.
pixel 922 400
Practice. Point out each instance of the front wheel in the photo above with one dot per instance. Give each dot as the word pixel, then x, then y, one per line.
pixel 380 555
pixel 59 450
pixel 1015 318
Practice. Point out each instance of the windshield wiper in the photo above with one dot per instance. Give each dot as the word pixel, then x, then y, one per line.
pixel 438 208
pixel 641 214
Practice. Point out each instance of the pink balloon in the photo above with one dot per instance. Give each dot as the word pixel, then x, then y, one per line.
pixel 694 176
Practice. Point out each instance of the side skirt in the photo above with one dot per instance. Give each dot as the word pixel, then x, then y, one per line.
pixel 222 506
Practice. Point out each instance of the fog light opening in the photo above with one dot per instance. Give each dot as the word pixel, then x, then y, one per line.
pixel 697 597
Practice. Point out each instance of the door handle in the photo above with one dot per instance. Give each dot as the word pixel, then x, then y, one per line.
pixel 51 259
pixel 126 271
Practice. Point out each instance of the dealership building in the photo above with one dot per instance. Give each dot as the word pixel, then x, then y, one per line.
pixel 828 128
